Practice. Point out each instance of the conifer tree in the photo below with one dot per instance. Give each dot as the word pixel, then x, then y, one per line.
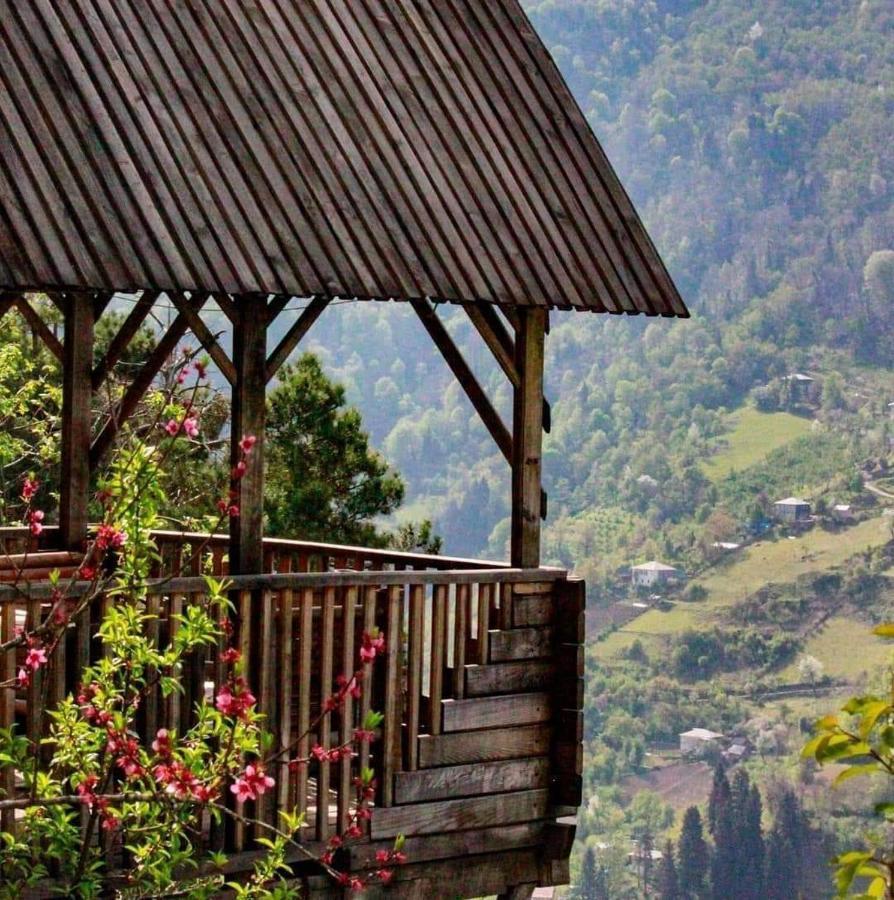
pixel 719 800
pixel 722 820
pixel 754 847
pixel 692 858
pixel 587 882
pixel 593 882
pixel 668 884
pixel 786 847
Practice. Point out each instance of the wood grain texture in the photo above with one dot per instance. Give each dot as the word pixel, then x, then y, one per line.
pixel 520 643
pixel 458 844
pixel 471 780
pixel 484 746
pixel 457 815
pixel 496 712
pixel 511 677
pixel 77 395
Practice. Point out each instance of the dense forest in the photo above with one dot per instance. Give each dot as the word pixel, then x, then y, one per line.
pixel 755 141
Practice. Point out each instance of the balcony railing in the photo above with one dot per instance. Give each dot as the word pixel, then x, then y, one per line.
pixel 480 688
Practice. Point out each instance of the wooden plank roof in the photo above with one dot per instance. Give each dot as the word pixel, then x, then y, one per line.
pixel 357 148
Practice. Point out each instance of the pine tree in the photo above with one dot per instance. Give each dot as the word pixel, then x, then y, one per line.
pixel 745 852
pixel 782 865
pixel 786 847
pixel 724 883
pixel 692 857
pixel 719 800
pixel 668 884
pixel 586 888
pixel 755 849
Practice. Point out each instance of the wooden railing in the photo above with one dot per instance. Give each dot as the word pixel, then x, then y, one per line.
pixel 479 687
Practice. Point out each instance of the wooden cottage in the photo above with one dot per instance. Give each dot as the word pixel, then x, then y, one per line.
pixel 237 154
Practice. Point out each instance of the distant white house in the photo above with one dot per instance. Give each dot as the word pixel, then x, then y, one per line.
pixel 842 512
pixel 697 740
pixel 800 386
pixel 792 509
pixel 725 545
pixel 652 573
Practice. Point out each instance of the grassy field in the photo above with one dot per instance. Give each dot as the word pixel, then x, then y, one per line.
pixel 779 561
pixel 753 435
pixel 836 647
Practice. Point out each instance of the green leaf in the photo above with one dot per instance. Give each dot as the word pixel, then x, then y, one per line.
pixel 856 772
pixel 885 630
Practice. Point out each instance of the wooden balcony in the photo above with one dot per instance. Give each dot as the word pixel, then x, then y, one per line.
pixel 478 760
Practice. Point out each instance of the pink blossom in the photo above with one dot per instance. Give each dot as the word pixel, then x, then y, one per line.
pixel 230 655
pixel 200 366
pixel 162 743
pixel 23 678
pixel 29 488
pixel 35 521
pixel 247 443
pixel 35 658
pixel 239 470
pixel 191 427
pixel 251 784
pixel 181 375
pixel 172 427
pixel 110 538
pixel 235 704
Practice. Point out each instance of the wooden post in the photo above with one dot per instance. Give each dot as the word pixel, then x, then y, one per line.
pixel 77 392
pixel 248 418
pixel 527 438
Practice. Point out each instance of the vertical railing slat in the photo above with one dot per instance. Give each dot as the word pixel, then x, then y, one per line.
pixel 391 726
pixel 264 664
pixel 285 793
pixel 415 651
pixel 484 593
pixel 460 635
pixel 7 704
pixel 438 657
pixel 349 609
pixel 369 622
pixel 305 657
pixel 326 675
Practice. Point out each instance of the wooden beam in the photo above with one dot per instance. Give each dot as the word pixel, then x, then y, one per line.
pixel 203 333
pixel 527 438
pixel 501 344
pixel 249 405
pixel 138 387
pixel 496 337
pixel 126 333
pixel 460 368
pixel 227 307
pixel 7 301
pixel 276 306
pixel 40 328
pixel 101 300
pixel 77 394
pixel 295 335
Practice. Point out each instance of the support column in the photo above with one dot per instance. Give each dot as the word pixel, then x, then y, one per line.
pixel 248 417
pixel 77 393
pixel 527 438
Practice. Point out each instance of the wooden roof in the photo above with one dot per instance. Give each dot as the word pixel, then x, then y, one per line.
pixel 358 148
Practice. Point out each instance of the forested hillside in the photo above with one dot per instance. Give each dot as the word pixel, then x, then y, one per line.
pixel 755 138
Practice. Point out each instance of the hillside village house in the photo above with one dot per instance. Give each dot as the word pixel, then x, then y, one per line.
pixel 698 741
pixel 653 574
pixel 792 509
pixel 800 387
